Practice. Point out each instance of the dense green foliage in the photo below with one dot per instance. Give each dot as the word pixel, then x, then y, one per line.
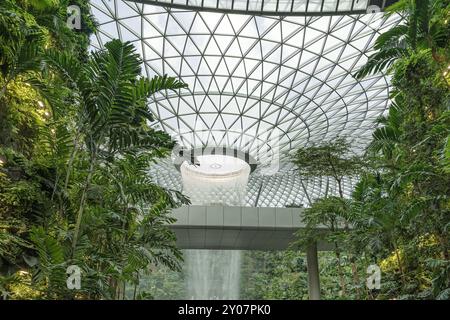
pixel 75 147
pixel 399 213
pixel 274 275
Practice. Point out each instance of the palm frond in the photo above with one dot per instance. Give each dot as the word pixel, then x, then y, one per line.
pixel 66 65
pixel 159 83
pixel 380 61
pixel 395 37
pixel 385 140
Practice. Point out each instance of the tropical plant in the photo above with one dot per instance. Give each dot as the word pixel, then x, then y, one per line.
pixel 399 210
pixel 425 27
pixel 76 146
pixel 22 41
pixel 112 98
pixel 335 160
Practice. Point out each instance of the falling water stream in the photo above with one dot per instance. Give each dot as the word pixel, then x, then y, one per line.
pixel 217 179
pixel 213 274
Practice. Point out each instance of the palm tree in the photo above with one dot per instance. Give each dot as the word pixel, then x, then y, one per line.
pixel 420 30
pixel 112 112
pixel 134 214
pixel 387 137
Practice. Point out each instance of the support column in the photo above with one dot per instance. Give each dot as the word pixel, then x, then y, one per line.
pixel 313 272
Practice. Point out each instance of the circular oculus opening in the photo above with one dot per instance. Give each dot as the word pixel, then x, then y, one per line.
pixel 215 165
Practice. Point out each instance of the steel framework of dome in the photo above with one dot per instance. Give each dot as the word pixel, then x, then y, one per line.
pixel 264 85
pixel 278 7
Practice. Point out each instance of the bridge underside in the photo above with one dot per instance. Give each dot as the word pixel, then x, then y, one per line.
pixel 238 228
pixel 246 228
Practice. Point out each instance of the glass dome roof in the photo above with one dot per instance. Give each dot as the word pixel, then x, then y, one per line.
pixel 260 84
pixel 278 7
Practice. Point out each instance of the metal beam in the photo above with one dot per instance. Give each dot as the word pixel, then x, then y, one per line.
pixel 202 7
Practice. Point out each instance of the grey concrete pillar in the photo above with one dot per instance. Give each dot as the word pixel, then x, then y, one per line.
pixel 313 272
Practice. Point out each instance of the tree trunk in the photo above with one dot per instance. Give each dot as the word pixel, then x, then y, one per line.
pixel 444 246
pixel 55 184
pixel 340 271
pixel 3 90
pixel 347 230
pixel 341 192
pixel 399 261
pixel 82 202
pixel 356 279
pixel 71 159
pixel 135 286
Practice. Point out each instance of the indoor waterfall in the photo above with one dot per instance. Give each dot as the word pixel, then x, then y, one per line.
pixel 217 179
pixel 213 274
